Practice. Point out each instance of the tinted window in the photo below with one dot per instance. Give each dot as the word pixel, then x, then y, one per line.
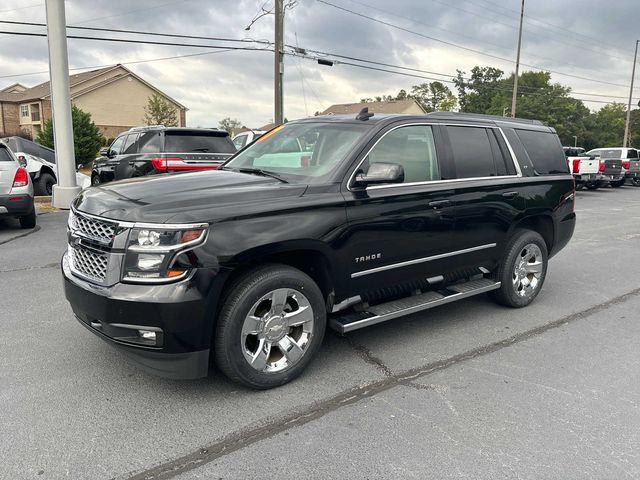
pixel 412 147
pixel 130 145
pixel 150 142
pixel 116 146
pixel 240 141
pixel 545 151
pixel 472 153
pixel 5 156
pixel 205 142
pixel 632 153
pixel 610 153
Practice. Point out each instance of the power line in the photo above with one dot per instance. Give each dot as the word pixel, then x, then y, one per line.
pixel 138 32
pixel 148 42
pixel 466 48
pixel 233 48
pixel 22 8
pixel 458 34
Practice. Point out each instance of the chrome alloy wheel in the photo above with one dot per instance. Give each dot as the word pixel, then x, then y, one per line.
pixel 277 331
pixel 527 271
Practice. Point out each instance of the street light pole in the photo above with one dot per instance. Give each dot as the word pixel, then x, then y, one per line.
pixel 279 62
pixel 625 142
pixel 514 98
pixel 66 189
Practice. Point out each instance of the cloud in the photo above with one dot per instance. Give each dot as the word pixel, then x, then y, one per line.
pixel 592 40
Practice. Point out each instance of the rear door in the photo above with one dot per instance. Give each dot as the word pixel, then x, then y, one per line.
pixel 8 167
pixel 487 196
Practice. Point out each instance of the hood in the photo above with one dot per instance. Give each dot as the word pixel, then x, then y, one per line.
pixel 183 198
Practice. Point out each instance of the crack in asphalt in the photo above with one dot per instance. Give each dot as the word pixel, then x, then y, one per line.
pixel 37 267
pixel 26 234
pixel 250 435
pixel 364 353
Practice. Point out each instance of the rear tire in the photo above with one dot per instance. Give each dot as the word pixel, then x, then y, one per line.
pixel 29 220
pixel 617 184
pixel 271 325
pixel 45 184
pixel 592 185
pixel 635 181
pixel 522 270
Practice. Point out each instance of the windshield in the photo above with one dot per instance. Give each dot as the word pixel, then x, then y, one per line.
pixel 303 152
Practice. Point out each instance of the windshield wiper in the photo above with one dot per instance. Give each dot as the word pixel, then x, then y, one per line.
pixel 258 171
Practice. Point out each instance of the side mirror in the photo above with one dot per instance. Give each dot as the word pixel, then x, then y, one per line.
pixel 104 152
pixel 379 173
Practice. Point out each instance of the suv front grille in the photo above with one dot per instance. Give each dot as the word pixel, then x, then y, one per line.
pixel 91 228
pixel 89 263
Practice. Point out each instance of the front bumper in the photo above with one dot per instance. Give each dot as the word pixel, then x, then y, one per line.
pixel 16 205
pixel 178 313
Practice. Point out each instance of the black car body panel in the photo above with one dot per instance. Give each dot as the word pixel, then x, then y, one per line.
pixel 374 243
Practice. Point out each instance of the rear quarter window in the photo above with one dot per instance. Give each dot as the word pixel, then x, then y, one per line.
pixel 545 151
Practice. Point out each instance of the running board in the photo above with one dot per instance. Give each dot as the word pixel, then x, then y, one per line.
pixel 406 306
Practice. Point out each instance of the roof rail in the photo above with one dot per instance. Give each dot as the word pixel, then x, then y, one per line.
pixel 142 127
pixel 482 116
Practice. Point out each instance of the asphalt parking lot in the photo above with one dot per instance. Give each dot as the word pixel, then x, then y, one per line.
pixel 469 390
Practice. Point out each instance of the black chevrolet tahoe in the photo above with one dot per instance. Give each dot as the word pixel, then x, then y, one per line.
pixel 369 219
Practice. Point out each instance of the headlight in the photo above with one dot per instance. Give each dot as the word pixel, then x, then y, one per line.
pixel 152 251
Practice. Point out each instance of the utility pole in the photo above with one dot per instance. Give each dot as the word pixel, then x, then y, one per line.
pixel 575 141
pixel 279 61
pixel 66 189
pixel 625 142
pixel 514 98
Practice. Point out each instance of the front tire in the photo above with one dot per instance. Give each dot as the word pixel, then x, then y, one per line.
pixel 95 180
pixel 271 324
pixel 522 270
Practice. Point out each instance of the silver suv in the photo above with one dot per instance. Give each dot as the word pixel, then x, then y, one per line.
pixel 16 189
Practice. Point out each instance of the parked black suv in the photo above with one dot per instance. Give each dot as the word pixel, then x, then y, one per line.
pixel 376 218
pixel 156 149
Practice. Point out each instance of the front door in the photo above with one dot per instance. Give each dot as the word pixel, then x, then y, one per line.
pixel 397 233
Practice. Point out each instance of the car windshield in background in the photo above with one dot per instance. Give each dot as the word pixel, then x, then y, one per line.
pixel 203 142
pixel 304 152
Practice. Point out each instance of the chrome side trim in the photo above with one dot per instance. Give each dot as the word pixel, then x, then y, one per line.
pixel 436 182
pixel 421 260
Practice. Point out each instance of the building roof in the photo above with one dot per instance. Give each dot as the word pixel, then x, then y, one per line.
pixel 42 90
pixel 394 106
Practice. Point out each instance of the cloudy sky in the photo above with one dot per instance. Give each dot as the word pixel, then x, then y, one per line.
pixel 589 39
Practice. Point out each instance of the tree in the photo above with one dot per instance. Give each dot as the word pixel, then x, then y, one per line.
pixel 159 111
pixel 475 94
pixel 87 139
pixel 434 96
pixel 228 124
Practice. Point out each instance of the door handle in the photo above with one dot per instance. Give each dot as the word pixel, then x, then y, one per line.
pixel 440 203
pixel 510 194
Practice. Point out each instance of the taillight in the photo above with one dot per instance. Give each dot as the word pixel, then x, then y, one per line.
pixel 625 164
pixel 21 178
pixel 576 165
pixel 164 164
pixel 601 169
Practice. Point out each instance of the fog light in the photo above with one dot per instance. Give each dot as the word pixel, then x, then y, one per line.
pixel 147 335
pixel 148 261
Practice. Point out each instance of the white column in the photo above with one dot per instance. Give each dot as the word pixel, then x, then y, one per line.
pixel 66 189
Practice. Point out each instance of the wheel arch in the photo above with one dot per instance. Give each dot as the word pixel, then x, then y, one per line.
pixel 541 223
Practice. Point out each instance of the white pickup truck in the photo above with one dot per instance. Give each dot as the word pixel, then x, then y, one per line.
pixel 585 170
